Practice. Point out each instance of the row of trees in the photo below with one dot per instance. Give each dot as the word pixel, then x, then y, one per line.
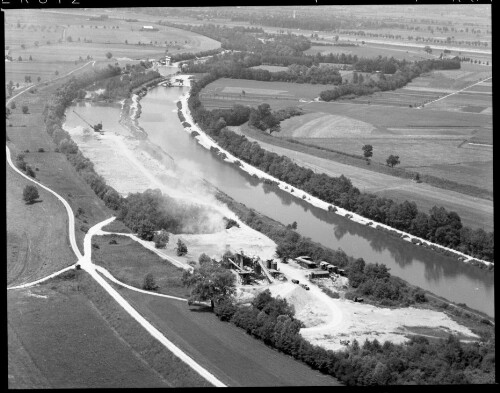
pixel 419 361
pixel 439 226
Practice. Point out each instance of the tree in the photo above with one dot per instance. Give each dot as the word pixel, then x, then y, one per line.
pixel 367 151
pixel 181 248
pixel 146 231
pixel 19 58
pixel 149 283
pixel 57 72
pixel 39 79
pixel 392 160
pixel 12 105
pixel 109 55
pixel 161 239
pixel 428 49
pixel 30 194
pixel 25 109
pixel 209 282
pixel 31 59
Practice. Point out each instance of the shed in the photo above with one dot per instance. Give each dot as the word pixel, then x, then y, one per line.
pixel 320 274
pixel 323 265
pixel 306 262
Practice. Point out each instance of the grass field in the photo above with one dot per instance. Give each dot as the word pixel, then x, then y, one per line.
pixel 270 68
pixel 58 339
pixel 55 171
pixel 225 92
pixel 29 256
pixel 371 50
pixel 233 356
pixel 475 212
pixel 129 262
pixel 107 36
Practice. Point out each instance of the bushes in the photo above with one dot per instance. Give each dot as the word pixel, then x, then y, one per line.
pixel 149 283
pixel 181 248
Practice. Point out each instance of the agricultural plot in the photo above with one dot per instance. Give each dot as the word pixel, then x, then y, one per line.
pixel 270 68
pixel 372 50
pixel 225 92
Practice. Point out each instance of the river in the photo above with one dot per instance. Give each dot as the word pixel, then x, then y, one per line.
pixel 443 276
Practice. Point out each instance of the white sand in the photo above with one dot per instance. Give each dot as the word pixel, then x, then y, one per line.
pixel 328 321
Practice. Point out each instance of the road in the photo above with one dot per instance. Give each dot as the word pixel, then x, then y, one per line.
pixel 86 264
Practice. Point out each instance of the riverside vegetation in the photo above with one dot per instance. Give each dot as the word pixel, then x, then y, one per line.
pixel 449 361
pixel 439 226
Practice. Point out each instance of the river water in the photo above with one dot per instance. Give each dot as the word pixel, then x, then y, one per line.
pixel 441 275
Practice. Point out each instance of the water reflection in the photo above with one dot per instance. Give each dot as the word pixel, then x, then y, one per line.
pixel 439 274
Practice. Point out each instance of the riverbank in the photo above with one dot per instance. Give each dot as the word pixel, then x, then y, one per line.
pixel 207 142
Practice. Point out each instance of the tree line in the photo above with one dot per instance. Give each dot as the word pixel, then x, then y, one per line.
pixel 400 78
pixel 439 225
pixel 419 361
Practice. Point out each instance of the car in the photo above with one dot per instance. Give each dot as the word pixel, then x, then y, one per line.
pixel 295 281
pixel 304 286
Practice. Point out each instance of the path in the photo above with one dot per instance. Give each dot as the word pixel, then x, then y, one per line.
pixel 456 92
pixel 86 264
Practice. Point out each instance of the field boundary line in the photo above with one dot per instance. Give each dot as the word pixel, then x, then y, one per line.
pixel 456 92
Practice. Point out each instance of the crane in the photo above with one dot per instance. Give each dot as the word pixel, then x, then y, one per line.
pixel 96 128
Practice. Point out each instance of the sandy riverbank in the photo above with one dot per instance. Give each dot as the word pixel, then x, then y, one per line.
pixel 207 142
pixel 329 321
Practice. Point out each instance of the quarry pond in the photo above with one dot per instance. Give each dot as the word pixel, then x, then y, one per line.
pixel 443 276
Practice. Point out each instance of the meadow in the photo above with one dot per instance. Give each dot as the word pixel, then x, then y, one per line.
pixel 59 42
pixel 138 262
pixel 58 339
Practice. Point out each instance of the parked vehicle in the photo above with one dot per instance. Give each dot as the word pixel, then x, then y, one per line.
pixel 295 281
pixel 304 286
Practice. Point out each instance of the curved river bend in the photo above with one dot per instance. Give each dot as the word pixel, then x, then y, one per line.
pixel 441 275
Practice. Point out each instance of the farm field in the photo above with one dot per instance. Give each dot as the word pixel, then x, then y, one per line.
pixel 428 140
pixel 107 36
pixel 475 212
pixel 270 68
pixel 223 348
pixel 225 92
pixel 371 50
pixel 58 339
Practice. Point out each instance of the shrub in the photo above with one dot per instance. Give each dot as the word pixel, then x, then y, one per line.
pixel 84 228
pixel 181 248
pixel 12 105
pixel 161 239
pixel 149 283
pixel 25 109
pixel 225 309
pixel 194 133
pixel 30 172
pixel 30 194
pixel 113 241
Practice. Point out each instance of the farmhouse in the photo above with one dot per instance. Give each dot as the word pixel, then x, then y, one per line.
pixel 149 28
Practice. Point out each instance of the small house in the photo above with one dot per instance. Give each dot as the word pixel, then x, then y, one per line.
pixel 323 265
pixel 149 28
pixel 332 269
